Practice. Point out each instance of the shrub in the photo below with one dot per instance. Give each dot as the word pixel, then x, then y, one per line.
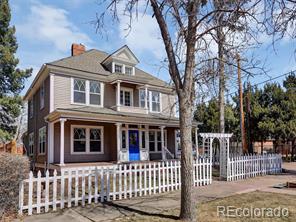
pixel 13 169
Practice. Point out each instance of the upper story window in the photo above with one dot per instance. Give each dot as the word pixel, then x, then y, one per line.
pixel 142 97
pixel 128 70
pixel 79 91
pixel 126 97
pixel 118 68
pixel 155 101
pixel 87 92
pixel 95 93
pixel 42 91
pixel 31 108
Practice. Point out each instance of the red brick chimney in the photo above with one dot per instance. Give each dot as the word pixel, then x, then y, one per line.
pixel 77 49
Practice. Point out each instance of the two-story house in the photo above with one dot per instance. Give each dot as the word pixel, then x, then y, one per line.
pixel 98 107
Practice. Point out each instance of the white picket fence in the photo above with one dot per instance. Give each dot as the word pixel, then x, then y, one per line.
pixel 241 167
pixel 86 185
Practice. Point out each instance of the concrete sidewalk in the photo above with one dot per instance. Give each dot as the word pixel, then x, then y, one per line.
pixel 161 203
pixel 289 167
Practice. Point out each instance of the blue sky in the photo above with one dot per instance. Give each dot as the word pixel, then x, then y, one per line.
pixel 45 30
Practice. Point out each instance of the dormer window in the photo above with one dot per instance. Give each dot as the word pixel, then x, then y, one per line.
pixel 128 70
pixel 118 68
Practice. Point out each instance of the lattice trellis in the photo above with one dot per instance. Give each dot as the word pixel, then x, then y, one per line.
pixel 207 141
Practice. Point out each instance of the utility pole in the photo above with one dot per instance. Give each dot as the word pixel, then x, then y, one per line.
pixel 242 118
pixel 248 103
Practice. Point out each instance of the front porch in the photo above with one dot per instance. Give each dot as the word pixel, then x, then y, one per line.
pixel 75 142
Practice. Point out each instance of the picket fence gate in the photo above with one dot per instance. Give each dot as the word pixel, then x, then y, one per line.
pixel 99 184
pixel 241 167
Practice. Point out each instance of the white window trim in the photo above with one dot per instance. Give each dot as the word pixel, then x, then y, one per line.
pixel 155 140
pixel 126 138
pixel 125 89
pixel 41 129
pixel 87 136
pixel 132 71
pixel 42 97
pixel 150 102
pixel 87 93
pixel 31 144
pixel 140 97
pixel 122 67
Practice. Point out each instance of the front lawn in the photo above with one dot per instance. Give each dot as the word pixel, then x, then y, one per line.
pixel 207 211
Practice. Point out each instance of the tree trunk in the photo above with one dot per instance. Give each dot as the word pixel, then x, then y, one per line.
pixel 261 146
pixel 187 212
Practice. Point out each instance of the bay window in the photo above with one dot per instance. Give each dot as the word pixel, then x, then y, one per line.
pixel 155 101
pixel 142 97
pixel 126 97
pixel 87 139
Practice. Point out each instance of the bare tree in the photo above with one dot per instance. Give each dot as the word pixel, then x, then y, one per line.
pixel 185 27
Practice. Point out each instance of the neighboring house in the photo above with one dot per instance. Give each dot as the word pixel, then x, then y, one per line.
pixel 99 107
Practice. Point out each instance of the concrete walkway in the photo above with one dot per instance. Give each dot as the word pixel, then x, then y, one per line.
pixel 161 203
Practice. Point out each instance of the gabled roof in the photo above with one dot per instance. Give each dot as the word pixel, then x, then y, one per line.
pixel 121 53
pixel 91 61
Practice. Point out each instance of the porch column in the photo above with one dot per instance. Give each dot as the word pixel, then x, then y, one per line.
pixel 50 136
pixel 62 141
pixel 146 99
pixel 147 140
pixel 162 143
pixel 118 138
pixel 118 96
pixel 196 141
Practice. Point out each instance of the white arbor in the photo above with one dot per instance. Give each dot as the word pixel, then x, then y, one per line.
pixel 207 144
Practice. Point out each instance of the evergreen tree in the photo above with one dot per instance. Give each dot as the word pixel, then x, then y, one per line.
pixel 11 78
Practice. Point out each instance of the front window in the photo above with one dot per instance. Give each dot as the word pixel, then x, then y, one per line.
pixel 31 144
pixel 95 93
pixel 95 140
pixel 155 140
pixel 155 101
pixel 128 70
pixel 79 140
pixel 125 97
pixel 152 141
pixel 79 91
pixel 42 140
pixel 87 139
pixel 118 68
pixel 42 96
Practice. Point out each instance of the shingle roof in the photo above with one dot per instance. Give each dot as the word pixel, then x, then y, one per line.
pixel 91 61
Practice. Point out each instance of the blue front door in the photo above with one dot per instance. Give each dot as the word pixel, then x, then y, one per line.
pixel 134 150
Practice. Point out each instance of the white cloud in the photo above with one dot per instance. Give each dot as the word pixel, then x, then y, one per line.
pixel 50 24
pixel 144 35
